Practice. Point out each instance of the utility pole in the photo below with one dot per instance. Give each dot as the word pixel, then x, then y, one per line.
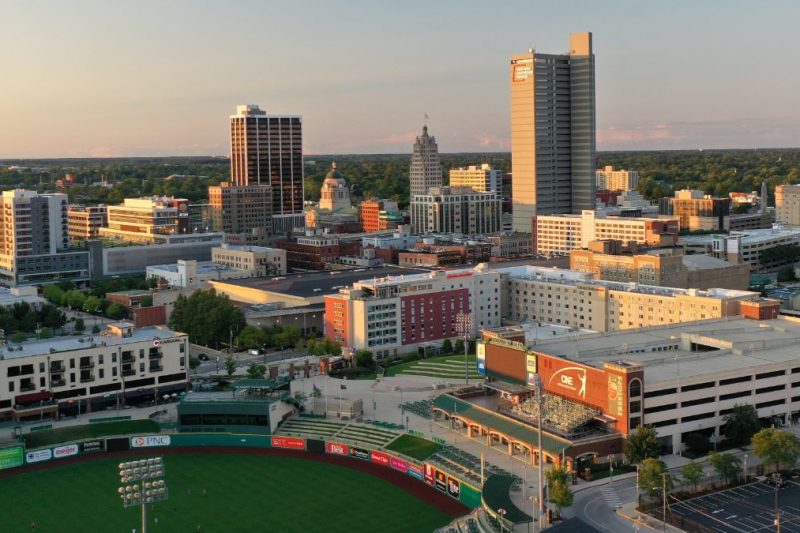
pixel 540 401
pixel 664 491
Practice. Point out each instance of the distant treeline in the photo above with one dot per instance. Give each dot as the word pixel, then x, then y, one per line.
pixel 717 172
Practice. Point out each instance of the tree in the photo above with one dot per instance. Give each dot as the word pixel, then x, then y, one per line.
pixel 651 479
pixel 79 325
pixel 115 311
pixel 95 329
pixel 208 318
pixel 146 301
pixel 256 371
pixel 54 294
pixel 698 443
pixel 194 364
pixel 18 337
pixel 252 337
pixel 364 359
pixel 75 299
pixel 558 488
pixel 642 444
pixel 92 304
pixel 741 424
pixel 459 346
pixel 230 365
pixel 447 347
pixel 45 333
pixel 776 446
pixel 727 465
pixel 692 474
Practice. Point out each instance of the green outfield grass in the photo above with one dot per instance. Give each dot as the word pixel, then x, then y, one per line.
pixel 89 431
pixel 243 493
pixel 415 447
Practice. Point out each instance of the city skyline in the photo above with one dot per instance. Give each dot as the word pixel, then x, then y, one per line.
pixel 121 80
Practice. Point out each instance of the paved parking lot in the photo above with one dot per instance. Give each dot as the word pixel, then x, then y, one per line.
pixel 747 508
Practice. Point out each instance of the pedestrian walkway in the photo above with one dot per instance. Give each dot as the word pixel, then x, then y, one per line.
pixel 611 497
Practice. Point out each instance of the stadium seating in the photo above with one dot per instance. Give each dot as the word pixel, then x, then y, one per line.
pixel 560 414
pixel 420 408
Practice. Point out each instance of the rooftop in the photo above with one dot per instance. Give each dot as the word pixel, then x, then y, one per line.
pixel 702 261
pixel 247 248
pixel 8 298
pixel 318 283
pixel 731 345
pixel 80 342
pixel 203 267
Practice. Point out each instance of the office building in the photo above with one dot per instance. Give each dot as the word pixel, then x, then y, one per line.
pixel 666 267
pixel 379 215
pixel 258 260
pixel 481 178
pixel 70 375
pixel 240 209
pixel 558 234
pixel 84 222
pixel 572 298
pixel 617 180
pixel 553 132
pixel 696 210
pixel 787 204
pixel 34 248
pixel 396 314
pixel 268 150
pixel 459 210
pixel 748 247
pixel 426 169
pixel 192 274
pixel 147 220
pixel 316 252
pixel 200 217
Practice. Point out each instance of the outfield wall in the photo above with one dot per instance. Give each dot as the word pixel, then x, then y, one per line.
pixel 461 491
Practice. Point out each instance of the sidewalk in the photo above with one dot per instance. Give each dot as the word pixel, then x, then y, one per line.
pixel 628 512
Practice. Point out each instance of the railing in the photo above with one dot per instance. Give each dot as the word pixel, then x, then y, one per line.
pixel 25 387
pixel 87 379
pixel 128 372
pixel 87 364
pixel 56 369
pixel 57 383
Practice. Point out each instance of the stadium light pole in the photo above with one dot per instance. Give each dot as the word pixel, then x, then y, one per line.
pixel 141 482
pixel 537 380
pixel 464 324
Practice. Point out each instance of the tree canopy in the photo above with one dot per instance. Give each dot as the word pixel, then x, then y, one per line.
pixel 727 465
pixel 642 444
pixel 774 446
pixel 207 317
pixel 741 424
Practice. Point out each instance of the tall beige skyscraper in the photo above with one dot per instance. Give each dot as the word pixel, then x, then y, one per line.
pixel 553 132
pixel 426 169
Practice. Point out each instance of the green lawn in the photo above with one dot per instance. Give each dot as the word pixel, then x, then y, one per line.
pixel 457 371
pixel 243 493
pixel 89 431
pixel 415 447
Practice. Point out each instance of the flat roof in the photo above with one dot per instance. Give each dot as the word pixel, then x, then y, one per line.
pixel 702 261
pixel 81 342
pixel 8 299
pixel 737 344
pixel 246 248
pixel 318 283
pixel 203 267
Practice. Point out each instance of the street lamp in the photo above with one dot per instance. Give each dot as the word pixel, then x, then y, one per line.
pixel 463 327
pixel 502 513
pixel 745 468
pixel 141 483
pixel 533 513
pixel 537 381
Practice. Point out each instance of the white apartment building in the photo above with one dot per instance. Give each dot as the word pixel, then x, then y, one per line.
pixel 572 298
pixel 481 178
pixel 617 180
pixel 746 246
pixel 67 375
pixel 460 210
pixel 558 234
pixel 397 314
pixel 258 260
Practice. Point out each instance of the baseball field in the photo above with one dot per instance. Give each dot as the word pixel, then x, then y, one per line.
pixel 216 492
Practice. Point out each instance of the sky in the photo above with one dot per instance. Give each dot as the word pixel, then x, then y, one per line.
pixel 92 78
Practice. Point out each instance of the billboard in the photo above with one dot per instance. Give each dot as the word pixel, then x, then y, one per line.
pixel 92 446
pixel 336 448
pixel 314 445
pixel 398 464
pixel 379 458
pixel 616 394
pixel 150 441
pixel 118 443
pixel 12 457
pixel 453 487
pixel 441 480
pixel 430 471
pixel 39 455
pixel 575 381
pixel 291 443
pixel 359 453
pixel 66 451
pixel 416 471
pixel 480 358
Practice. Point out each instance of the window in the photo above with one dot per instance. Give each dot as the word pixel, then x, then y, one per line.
pixel 10 386
pixel 660 408
pixel 141 368
pixel 662 392
pixel 697 386
pixel 635 388
pixel 635 406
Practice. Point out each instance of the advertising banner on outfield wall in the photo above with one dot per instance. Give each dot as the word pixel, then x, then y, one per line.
pixel 379 458
pixel 398 464
pixel 416 471
pixel 291 443
pixel 453 487
pixel 65 451
pixel 39 455
pixel 359 453
pixel 12 457
pixel 430 472
pixel 150 441
pixel 441 480
pixel 92 446
pixel 337 448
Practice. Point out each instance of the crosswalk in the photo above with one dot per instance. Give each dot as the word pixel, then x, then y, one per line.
pixel 611 497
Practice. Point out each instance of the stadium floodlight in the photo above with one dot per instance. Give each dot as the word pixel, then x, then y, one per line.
pixel 464 327
pixel 537 382
pixel 141 483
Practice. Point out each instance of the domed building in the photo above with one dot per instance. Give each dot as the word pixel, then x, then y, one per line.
pixel 335 195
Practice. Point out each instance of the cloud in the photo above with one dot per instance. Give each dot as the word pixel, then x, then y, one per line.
pixel 492 141
pixel 400 138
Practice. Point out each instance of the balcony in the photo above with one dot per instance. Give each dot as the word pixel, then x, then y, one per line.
pixel 27 386
pixel 86 378
pixel 156 367
pixel 87 363
pixel 128 372
pixel 128 357
pixel 56 368
pixel 57 383
pixel 156 355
